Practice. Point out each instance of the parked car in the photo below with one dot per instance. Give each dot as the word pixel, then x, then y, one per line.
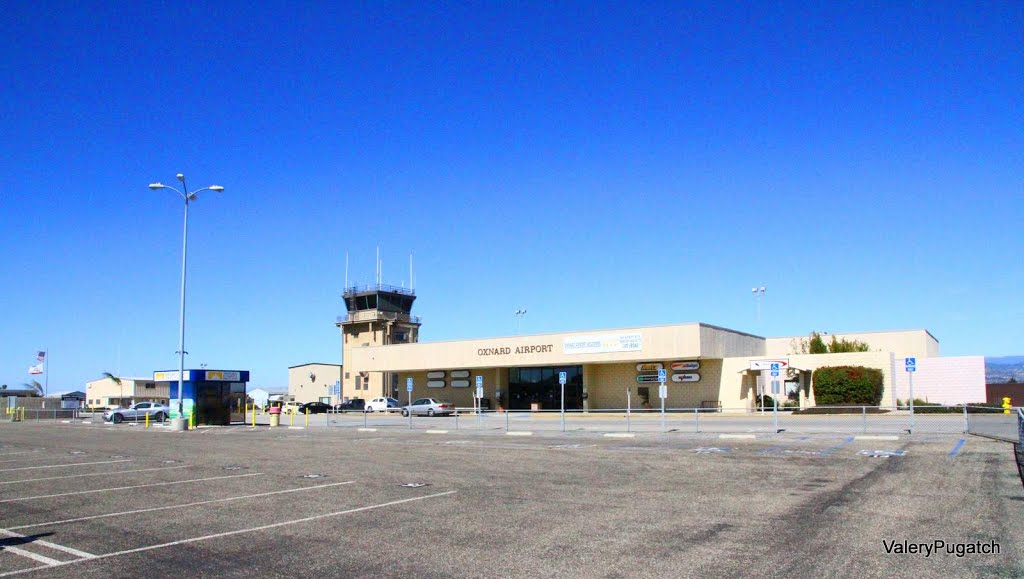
pixel 138 411
pixel 381 403
pixel 353 405
pixel 430 407
pixel 315 408
pixel 291 408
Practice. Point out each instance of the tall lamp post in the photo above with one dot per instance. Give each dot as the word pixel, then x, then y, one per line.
pixel 519 316
pixel 188 197
pixel 758 292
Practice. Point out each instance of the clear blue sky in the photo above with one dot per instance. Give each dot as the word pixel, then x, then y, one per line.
pixel 601 166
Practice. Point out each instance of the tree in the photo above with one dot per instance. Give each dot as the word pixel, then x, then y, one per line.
pixel 35 386
pixel 1012 380
pixel 817 345
pixel 118 382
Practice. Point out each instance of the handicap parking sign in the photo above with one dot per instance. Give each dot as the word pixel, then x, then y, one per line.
pixel 662 375
pixel 561 378
pixel 408 384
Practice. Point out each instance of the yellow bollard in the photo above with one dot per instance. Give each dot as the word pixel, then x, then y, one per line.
pixel 147 420
pixel 254 416
pixel 192 421
pixel 291 418
pixel 1007 405
pixel 307 419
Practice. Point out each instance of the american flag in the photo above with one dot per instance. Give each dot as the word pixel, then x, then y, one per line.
pixel 41 356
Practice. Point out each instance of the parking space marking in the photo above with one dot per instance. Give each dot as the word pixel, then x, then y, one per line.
pixel 230 533
pixel 832 449
pixel 63 465
pixel 22 452
pixel 54 546
pixel 108 473
pixel 136 511
pixel 39 558
pixel 177 482
pixel 27 459
pixel 957 448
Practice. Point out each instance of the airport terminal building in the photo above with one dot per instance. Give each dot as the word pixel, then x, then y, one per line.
pixel 706 366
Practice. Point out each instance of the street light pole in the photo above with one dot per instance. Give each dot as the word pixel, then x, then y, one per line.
pixel 188 197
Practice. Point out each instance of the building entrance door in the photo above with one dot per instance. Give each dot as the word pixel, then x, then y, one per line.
pixel 528 386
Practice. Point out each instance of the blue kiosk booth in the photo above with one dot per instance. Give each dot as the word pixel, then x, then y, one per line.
pixel 216 397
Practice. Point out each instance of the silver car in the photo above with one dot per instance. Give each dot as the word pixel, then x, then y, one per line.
pixel 429 406
pixel 138 411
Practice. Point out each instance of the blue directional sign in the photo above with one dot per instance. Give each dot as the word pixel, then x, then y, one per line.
pixel 561 378
pixel 408 384
pixel 775 373
pixel 479 381
pixel 662 375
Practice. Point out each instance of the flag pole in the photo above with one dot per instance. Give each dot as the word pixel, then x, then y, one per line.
pixel 46 370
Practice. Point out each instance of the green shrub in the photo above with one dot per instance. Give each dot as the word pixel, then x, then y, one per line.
pixel 847 385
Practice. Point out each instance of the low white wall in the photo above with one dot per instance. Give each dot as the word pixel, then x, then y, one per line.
pixel 952 380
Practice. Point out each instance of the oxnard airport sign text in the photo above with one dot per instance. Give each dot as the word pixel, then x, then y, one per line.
pixel 543 349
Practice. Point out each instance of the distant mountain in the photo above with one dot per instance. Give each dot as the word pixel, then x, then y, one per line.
pixel 1001 369
pixel 1005 360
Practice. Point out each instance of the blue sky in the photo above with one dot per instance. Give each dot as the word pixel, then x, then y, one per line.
pixel 602 166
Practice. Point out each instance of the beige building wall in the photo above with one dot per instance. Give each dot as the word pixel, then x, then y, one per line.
pixel 302 388
pixel 105 393
pixel 677 342
pixel 903 343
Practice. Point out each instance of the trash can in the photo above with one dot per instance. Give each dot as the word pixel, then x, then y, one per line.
pixel 275 415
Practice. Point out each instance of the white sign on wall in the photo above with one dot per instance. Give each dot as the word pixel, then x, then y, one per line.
pixel 171 376
pixel 767 364
pixel 602 343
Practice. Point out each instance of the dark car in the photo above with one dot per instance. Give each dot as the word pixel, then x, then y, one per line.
pixel 353 405
pixel 315 408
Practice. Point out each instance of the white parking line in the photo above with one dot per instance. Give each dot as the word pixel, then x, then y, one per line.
pixel 108 473
pixel 22 452
pixel 230 533
pixel 44 560
pixel 177 482
pixel 53 546
pixel 25 459
pixel 122 513
pixel 63 465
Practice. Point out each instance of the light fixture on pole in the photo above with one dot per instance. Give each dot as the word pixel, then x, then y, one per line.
pixel 758 292
pixel 519 316
pixel 187 196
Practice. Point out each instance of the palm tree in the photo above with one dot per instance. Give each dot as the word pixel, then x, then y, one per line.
pixel 117 381
pixel 35 386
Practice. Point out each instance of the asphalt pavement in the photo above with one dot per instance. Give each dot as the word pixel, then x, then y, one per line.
pixel 82 500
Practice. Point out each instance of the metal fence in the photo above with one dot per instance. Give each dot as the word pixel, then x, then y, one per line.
pixel 982 421
pixel 1018 446
pixel 850 419
pixel 41 413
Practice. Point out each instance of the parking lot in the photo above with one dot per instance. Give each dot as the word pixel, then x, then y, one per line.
pixel 95 500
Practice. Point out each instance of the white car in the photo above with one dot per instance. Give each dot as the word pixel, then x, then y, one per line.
pixel 429 407
pixel 382 403
pixel 138 411
pixel 292 408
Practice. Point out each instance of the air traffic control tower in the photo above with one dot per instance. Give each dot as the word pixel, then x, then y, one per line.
pixel 377 315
